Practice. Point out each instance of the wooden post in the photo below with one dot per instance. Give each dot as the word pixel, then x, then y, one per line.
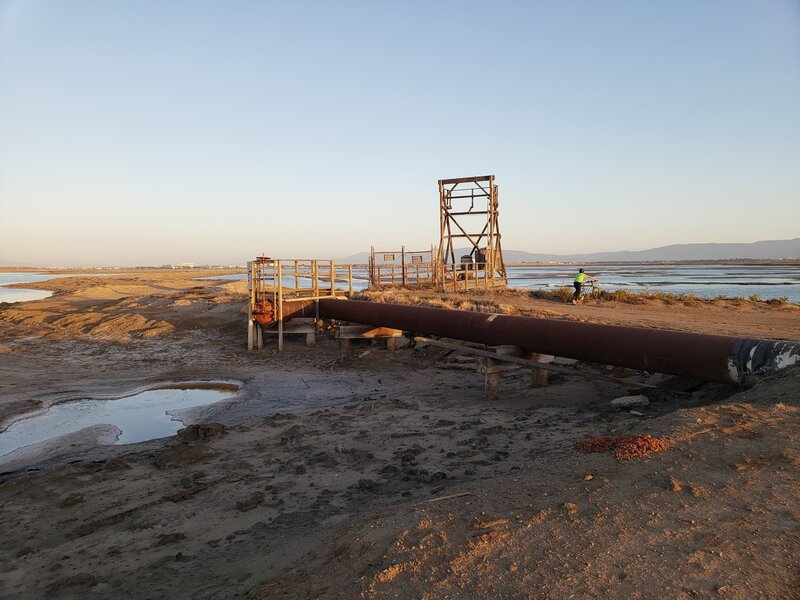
pixel 251 285
pixel 296 277
pixel 371 267
pixel 311 340
pixel 333 279
pixel 403 265
pixel 279 307
pixel 493 369
pixel 315 278
pixel 349 280
pixel 344 345
pixel 539 377
pixel 492 383
pixel 259 337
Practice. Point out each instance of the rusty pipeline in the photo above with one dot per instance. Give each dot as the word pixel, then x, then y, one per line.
pixel 265 314
pixel 697 356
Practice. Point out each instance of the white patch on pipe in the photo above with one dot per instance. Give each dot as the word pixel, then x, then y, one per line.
pixel 749 364
pixel 786 359
pixel 733 372
pixel 492 317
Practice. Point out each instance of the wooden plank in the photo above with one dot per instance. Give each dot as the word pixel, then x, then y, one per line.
pixel 531 363
pixel 294 326
pixel 366 332
pixel 465 180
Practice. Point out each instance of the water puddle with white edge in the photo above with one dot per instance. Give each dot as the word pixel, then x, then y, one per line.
pixel 139 417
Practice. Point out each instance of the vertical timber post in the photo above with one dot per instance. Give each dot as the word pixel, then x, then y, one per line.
pixel 371 266
pixel 403 265
pixel 539 376
pixel 349 280
pixel 250 303
pixel 493 368
pixel 279 307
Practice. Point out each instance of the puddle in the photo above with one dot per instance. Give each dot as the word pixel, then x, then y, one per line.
pixel 140 417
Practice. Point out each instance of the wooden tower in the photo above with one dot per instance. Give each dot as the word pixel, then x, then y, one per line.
pixel 468 220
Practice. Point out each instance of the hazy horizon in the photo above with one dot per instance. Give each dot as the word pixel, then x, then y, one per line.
pixel 340 256
pixel 151 133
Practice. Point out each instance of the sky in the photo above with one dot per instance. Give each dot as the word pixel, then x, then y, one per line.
pixel 149 132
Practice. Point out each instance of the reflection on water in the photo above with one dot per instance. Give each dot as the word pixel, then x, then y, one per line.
pixel 140 417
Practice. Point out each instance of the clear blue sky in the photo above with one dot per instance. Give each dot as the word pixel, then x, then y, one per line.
pixel 149 132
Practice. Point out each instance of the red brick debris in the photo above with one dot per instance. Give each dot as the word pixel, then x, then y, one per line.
pixel 625 447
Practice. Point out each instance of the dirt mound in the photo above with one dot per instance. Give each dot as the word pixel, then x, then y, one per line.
pixel 625 447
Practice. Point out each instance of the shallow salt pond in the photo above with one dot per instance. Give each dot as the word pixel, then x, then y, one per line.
pixel 12 295
pixel 140 417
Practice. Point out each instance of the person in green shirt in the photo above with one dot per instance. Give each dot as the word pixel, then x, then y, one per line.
pixel 580 278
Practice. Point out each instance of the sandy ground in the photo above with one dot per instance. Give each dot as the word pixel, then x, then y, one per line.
pixel 389 476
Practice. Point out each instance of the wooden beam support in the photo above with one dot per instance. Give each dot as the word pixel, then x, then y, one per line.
pixel 470 349
pixel 366 332
pixel 465 179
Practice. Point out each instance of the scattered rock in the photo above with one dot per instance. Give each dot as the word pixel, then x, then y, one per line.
pixel 588 477
pixel 630 401
pixel 72 500
pixel 291 435
pixel 494 429
pixel 366 484
pixel 564 362
pixel 324 459
pixel 636 413
pixel 429 473
pixel 401 342
pixel 116 464
pixel 169 538
pixel 658 378
pixel 251 502
pixel 200 432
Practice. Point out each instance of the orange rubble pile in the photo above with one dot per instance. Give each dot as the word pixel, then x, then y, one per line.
pixel 625 447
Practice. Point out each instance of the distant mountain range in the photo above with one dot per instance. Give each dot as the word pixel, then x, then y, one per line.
pixel 765 250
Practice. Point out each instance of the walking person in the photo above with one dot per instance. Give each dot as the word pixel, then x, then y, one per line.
pixel 580 278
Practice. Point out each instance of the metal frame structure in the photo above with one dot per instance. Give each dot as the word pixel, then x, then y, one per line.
pixel 279 286
pixel 401 268
pixel 483 267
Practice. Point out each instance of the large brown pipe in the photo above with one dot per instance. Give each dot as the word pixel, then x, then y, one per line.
pixel 697 356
